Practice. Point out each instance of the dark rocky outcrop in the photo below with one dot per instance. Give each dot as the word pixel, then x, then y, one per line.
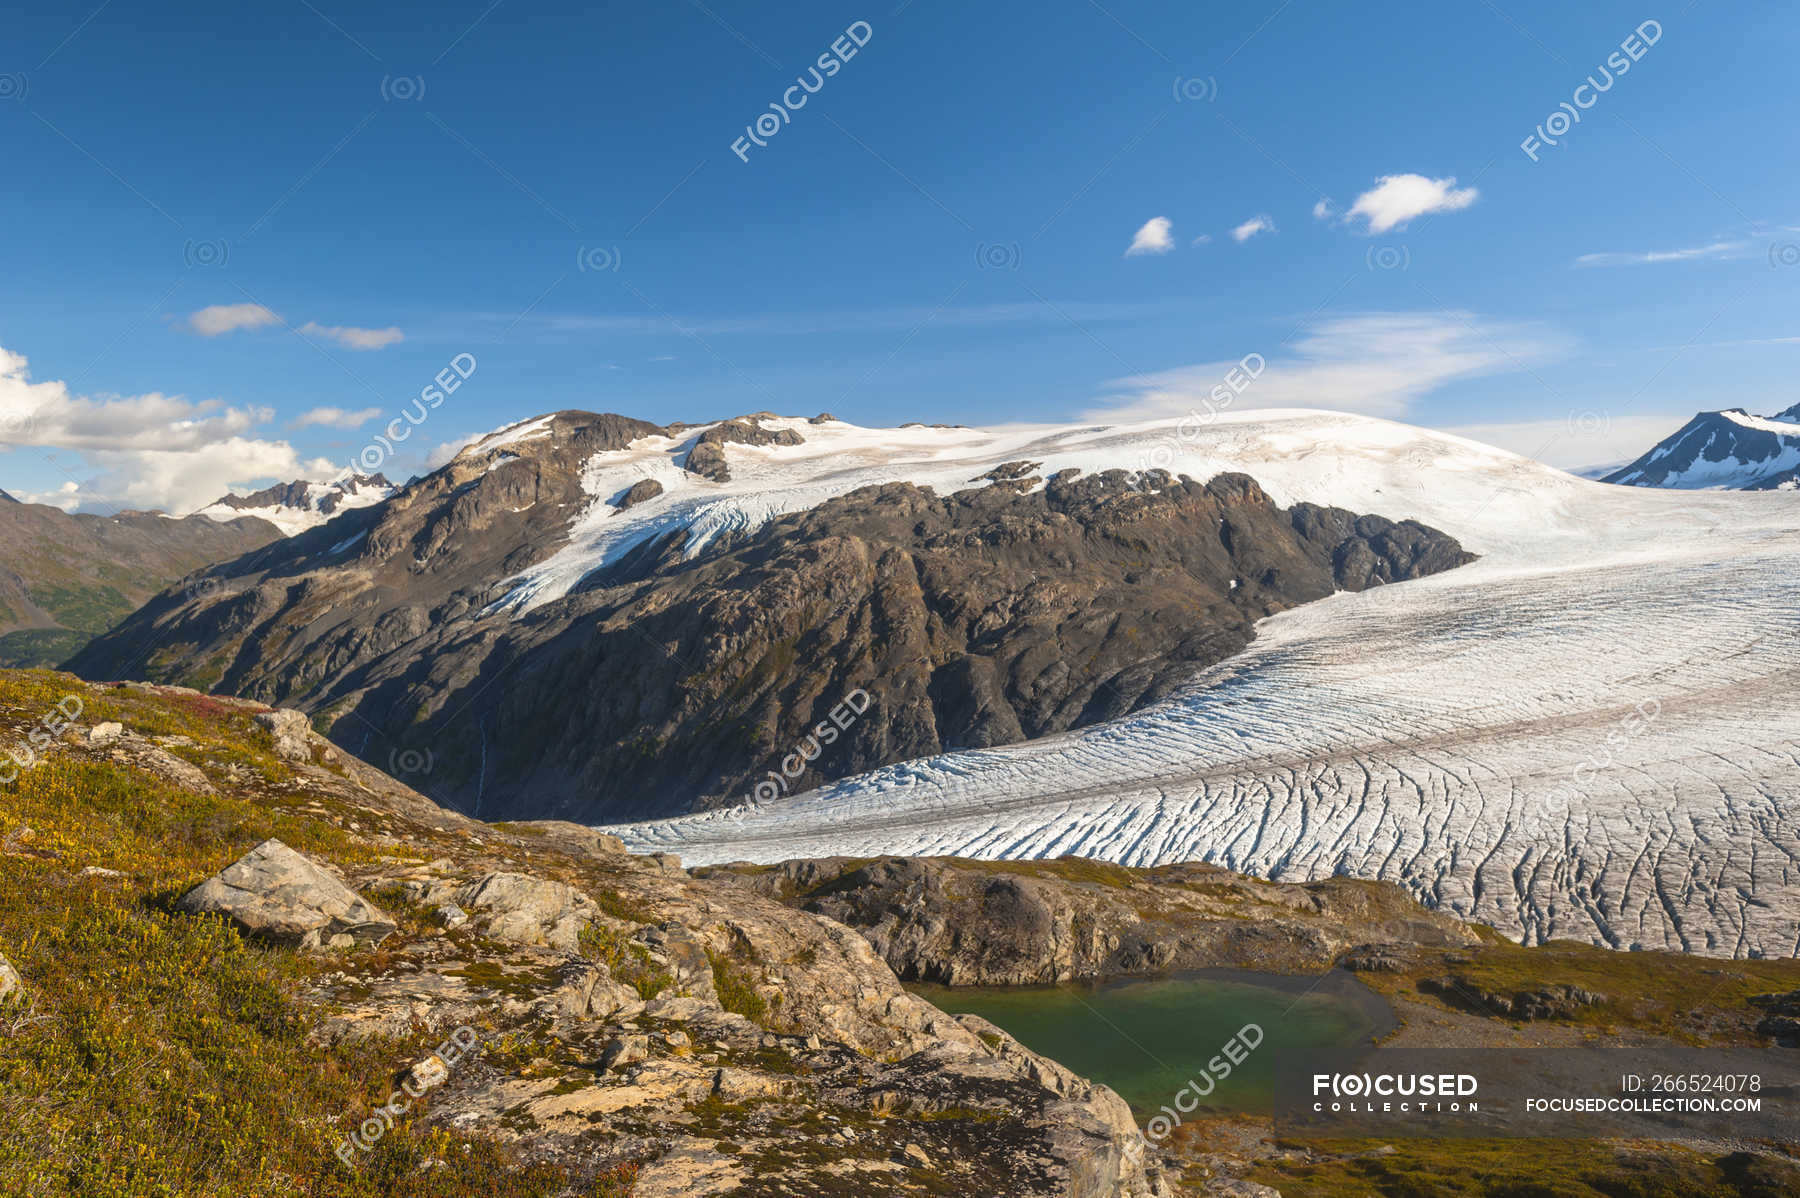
pixel 707 457
pixel 638 492
pixel 961 922
pixel 1781 1016
pixel 1543 1002
pixel 1007 472
pixel 665 682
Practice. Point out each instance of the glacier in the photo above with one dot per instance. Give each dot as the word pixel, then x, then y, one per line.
pixel 1589 733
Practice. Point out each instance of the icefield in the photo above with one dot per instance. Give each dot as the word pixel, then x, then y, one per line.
pixel 1589 733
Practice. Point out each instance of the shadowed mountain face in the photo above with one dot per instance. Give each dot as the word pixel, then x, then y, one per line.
pixel 878 626
pixel 65 578
pixel 1730 450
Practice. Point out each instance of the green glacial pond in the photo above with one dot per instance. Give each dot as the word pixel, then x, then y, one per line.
pixel 1149 1039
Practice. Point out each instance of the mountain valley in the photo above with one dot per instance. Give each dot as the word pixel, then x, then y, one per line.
pixel 67 578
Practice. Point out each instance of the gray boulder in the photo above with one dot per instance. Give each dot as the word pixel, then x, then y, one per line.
pixel 527 910
pixel 278 894
pixel 292 731
pixel 12 989
pixel 623 1051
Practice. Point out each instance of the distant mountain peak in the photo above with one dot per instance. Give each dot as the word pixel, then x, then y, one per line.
pixel 296 506
pixel 1727 450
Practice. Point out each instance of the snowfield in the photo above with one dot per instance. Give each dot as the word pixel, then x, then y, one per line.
pixel 1588 733
pixel 323 501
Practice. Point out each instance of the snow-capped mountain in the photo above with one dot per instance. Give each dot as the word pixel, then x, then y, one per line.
pixel 297 506
pixel 1586 733
pixel 781 565
pixel 1729 450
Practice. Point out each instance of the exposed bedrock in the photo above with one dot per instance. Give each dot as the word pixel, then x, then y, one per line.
pixel 977 923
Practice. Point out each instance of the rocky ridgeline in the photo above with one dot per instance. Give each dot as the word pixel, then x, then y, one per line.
pixel 834 1071
pixel 716 1038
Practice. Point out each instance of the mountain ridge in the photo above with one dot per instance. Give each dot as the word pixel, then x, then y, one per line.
pixel 300 505
pixel 682 665
pixel 66 578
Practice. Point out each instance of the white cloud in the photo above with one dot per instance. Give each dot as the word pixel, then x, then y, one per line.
pixel 181 481
pixel 219 319
pixel 1397 199
pixel 45 413
pixel 152 450
pixel 1203 239
pixel 1322 209
pixel 1718 249
pixel 351 337
pixel 1582 441
pixel 442 454
pixel 1251 227
pixel 1377 363
pixel 67 497
pixel 336 417
pixel 1153 238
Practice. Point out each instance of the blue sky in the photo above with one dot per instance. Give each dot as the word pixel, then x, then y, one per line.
pixel 239 238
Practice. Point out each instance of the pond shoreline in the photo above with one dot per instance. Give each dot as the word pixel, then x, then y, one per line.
pixel 1148 1038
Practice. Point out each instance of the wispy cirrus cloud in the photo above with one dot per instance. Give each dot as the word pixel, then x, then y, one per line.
pixel 905 318
pixel 351 337
pixel 1378 363
pixel 1717 249
pixel 335 417
pixel 1152 237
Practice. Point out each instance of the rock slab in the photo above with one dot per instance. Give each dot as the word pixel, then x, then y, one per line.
pixel 277 894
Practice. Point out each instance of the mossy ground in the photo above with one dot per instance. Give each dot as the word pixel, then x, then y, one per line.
pixel 161 1055
pixel 1526 1169
pixel 1688 998
pixel 627 960
pixel 736 990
